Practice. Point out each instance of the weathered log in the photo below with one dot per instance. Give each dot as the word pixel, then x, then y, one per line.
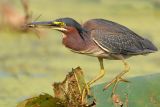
pixel 67 93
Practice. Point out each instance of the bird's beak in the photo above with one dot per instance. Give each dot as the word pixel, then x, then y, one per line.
pixel 46 24
pixel 60 26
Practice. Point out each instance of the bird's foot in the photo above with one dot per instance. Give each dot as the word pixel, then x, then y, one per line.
pixel 115 81
pixel 88 99
pixel 85 92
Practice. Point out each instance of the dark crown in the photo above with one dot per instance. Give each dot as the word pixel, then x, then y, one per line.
pixel 70 22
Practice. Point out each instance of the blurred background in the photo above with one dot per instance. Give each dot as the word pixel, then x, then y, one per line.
pixel 29 65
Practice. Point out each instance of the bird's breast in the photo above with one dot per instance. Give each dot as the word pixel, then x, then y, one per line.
pixel 86 46
pixel 73 42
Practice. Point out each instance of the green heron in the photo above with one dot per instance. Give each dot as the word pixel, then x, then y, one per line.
pixel 102 39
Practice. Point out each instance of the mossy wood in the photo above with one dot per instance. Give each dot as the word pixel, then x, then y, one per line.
pixel 67 93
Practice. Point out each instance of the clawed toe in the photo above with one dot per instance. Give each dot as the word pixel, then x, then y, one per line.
pixel 123 80
pixel 115 81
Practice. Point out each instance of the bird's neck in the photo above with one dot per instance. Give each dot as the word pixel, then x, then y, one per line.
pixel 74 41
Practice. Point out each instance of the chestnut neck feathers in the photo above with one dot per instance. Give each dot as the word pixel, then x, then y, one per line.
pixel 73 40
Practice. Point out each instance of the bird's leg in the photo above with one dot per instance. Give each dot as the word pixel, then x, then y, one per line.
pixel 86 90
pixel 101 74
pixel 118 78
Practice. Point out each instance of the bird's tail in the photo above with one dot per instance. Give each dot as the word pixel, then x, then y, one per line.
pixel 149 46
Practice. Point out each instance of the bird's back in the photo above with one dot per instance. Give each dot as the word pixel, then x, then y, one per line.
pixel 117 38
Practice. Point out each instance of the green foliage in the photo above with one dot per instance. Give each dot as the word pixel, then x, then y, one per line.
pixel 44 100
pixel 142 91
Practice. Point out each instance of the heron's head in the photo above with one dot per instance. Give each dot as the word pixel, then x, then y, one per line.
pixel 61 24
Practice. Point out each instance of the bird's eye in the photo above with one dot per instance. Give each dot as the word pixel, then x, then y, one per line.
pixel 61 24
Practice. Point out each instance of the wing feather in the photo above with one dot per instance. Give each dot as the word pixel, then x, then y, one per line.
pixel 118 43
pixel 115 38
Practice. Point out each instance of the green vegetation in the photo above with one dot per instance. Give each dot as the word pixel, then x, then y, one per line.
pixel 142 91
pixel 29 65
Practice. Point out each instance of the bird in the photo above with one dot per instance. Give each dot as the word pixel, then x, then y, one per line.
pixel 100 38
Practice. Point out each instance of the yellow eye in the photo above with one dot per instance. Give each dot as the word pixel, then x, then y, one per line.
pixel 59 23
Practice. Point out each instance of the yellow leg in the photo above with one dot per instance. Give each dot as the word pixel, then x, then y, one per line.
pixel 118 78
pixel 101 74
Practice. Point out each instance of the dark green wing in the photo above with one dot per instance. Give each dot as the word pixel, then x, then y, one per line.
pixel 116 38
pixel 121 42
